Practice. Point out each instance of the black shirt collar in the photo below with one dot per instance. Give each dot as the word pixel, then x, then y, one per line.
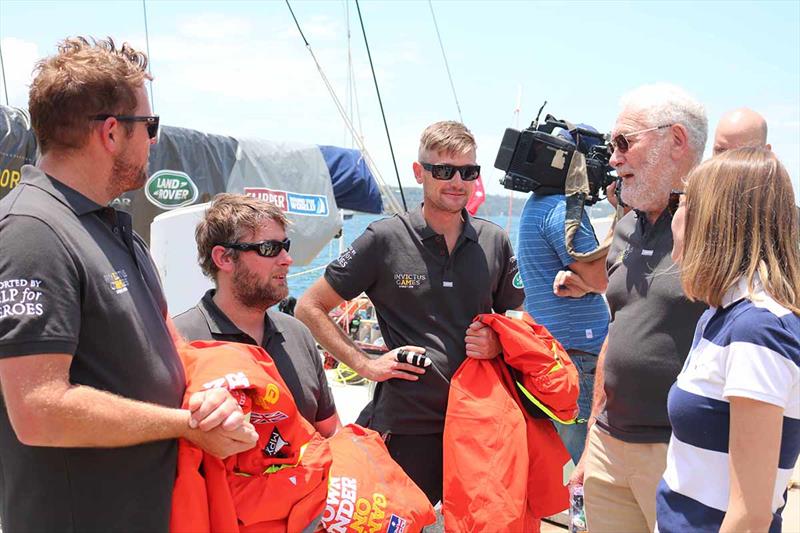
pixel 219 323
pixel 421 227
pixel 68 196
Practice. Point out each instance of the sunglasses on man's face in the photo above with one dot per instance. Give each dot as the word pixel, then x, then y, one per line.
pixel 674 202
pixel 622 141
pixel 269 248
pixel 150 121
pixel 446 172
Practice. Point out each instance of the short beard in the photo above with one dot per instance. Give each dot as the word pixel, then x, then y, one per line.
pixel 653 182
pixel 253 293
pixel 125 176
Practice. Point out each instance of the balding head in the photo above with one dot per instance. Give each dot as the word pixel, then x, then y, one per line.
pixel 740 128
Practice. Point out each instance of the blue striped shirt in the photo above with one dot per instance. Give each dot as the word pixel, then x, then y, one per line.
pixel 750 348
pixel 577 323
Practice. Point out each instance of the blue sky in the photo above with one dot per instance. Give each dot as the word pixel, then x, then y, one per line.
pixel 241 68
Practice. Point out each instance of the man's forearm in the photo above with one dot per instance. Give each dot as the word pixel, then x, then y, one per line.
pixel 83 416
pixel 599 393
pixel 331 337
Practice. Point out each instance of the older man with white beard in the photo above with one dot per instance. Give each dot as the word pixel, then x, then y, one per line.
pixel 658 137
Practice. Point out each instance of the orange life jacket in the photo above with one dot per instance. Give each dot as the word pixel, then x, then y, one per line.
pixel 368 491
pixel 503 468
pixel 280 484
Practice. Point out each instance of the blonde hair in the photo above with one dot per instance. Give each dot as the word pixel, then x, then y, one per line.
pixel 231 218
pixel 85 78
pixel 741 222
pixel 447 136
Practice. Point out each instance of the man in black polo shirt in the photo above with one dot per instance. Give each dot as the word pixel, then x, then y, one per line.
pixel 428 273
pixel 91 380
pixel 657 139
pixel 248 283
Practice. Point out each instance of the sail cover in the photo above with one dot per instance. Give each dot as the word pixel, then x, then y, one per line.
pixel 188 167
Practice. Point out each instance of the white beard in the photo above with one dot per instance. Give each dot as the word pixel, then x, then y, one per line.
pixel 652 182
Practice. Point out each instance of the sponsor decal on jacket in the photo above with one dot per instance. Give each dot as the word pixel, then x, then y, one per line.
pixel 272 417
pixel 345 512
pixel 311 205
pixel 275 444
pixel 231 381
pixel 517 281
pixel 271 395
pixel 396 524
pixel 409 281
pixel 169 189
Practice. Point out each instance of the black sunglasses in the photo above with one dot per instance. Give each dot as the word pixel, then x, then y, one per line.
pixel 264 248
pixel 446 172
pixel 674 202
pixel 150 121
pixel 623 144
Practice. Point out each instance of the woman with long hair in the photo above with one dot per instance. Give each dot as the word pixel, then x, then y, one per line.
pixel 735 407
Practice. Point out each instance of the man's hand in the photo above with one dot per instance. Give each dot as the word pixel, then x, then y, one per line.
pixel 223 443
pixel 576 478
pixel 568 284
pixel 482 342
pixel 215 407
pixel 388 367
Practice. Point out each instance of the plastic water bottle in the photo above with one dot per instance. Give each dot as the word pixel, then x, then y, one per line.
pixel 577 516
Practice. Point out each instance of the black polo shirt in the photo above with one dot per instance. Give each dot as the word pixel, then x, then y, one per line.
pixel 651 330
pixel 287 340
pixel 75 279
pixel 427 297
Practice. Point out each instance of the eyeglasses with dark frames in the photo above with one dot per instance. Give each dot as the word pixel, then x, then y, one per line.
pixel 446 172
pixel 270 248
pixel 674 202
pixel 150 121
pixel 622 141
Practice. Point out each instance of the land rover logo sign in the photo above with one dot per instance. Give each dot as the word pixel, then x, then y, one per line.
pixel 169 189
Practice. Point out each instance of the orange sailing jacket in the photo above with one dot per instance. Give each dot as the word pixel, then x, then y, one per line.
pixel 283 483
pixel 503 468
pixel 280 484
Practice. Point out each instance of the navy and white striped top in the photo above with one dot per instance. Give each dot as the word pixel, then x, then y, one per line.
pixel 750 348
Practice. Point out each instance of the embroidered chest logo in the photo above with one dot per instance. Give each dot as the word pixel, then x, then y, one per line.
pixel 275 444
pixel 409 281
pixel 117 281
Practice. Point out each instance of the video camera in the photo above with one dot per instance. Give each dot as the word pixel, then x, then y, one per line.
pixel 538 158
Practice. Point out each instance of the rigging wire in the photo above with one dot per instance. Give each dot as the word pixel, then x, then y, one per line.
pixel 149 57
pixel 394 206
pixel 380 102
pixel 446 64
pixel 3 70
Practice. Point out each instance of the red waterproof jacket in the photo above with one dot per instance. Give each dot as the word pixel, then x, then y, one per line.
pixel 279 485
pixel 368 491
pixel 503 468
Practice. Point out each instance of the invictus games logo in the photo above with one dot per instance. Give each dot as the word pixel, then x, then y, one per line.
pixel 409 281
pixel 169 189
pixel 117 280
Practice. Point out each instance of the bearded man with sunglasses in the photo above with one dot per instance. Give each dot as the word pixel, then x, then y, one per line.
pixel 428 273
pixel 242 247
pixel 659 136
pixel 91 380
